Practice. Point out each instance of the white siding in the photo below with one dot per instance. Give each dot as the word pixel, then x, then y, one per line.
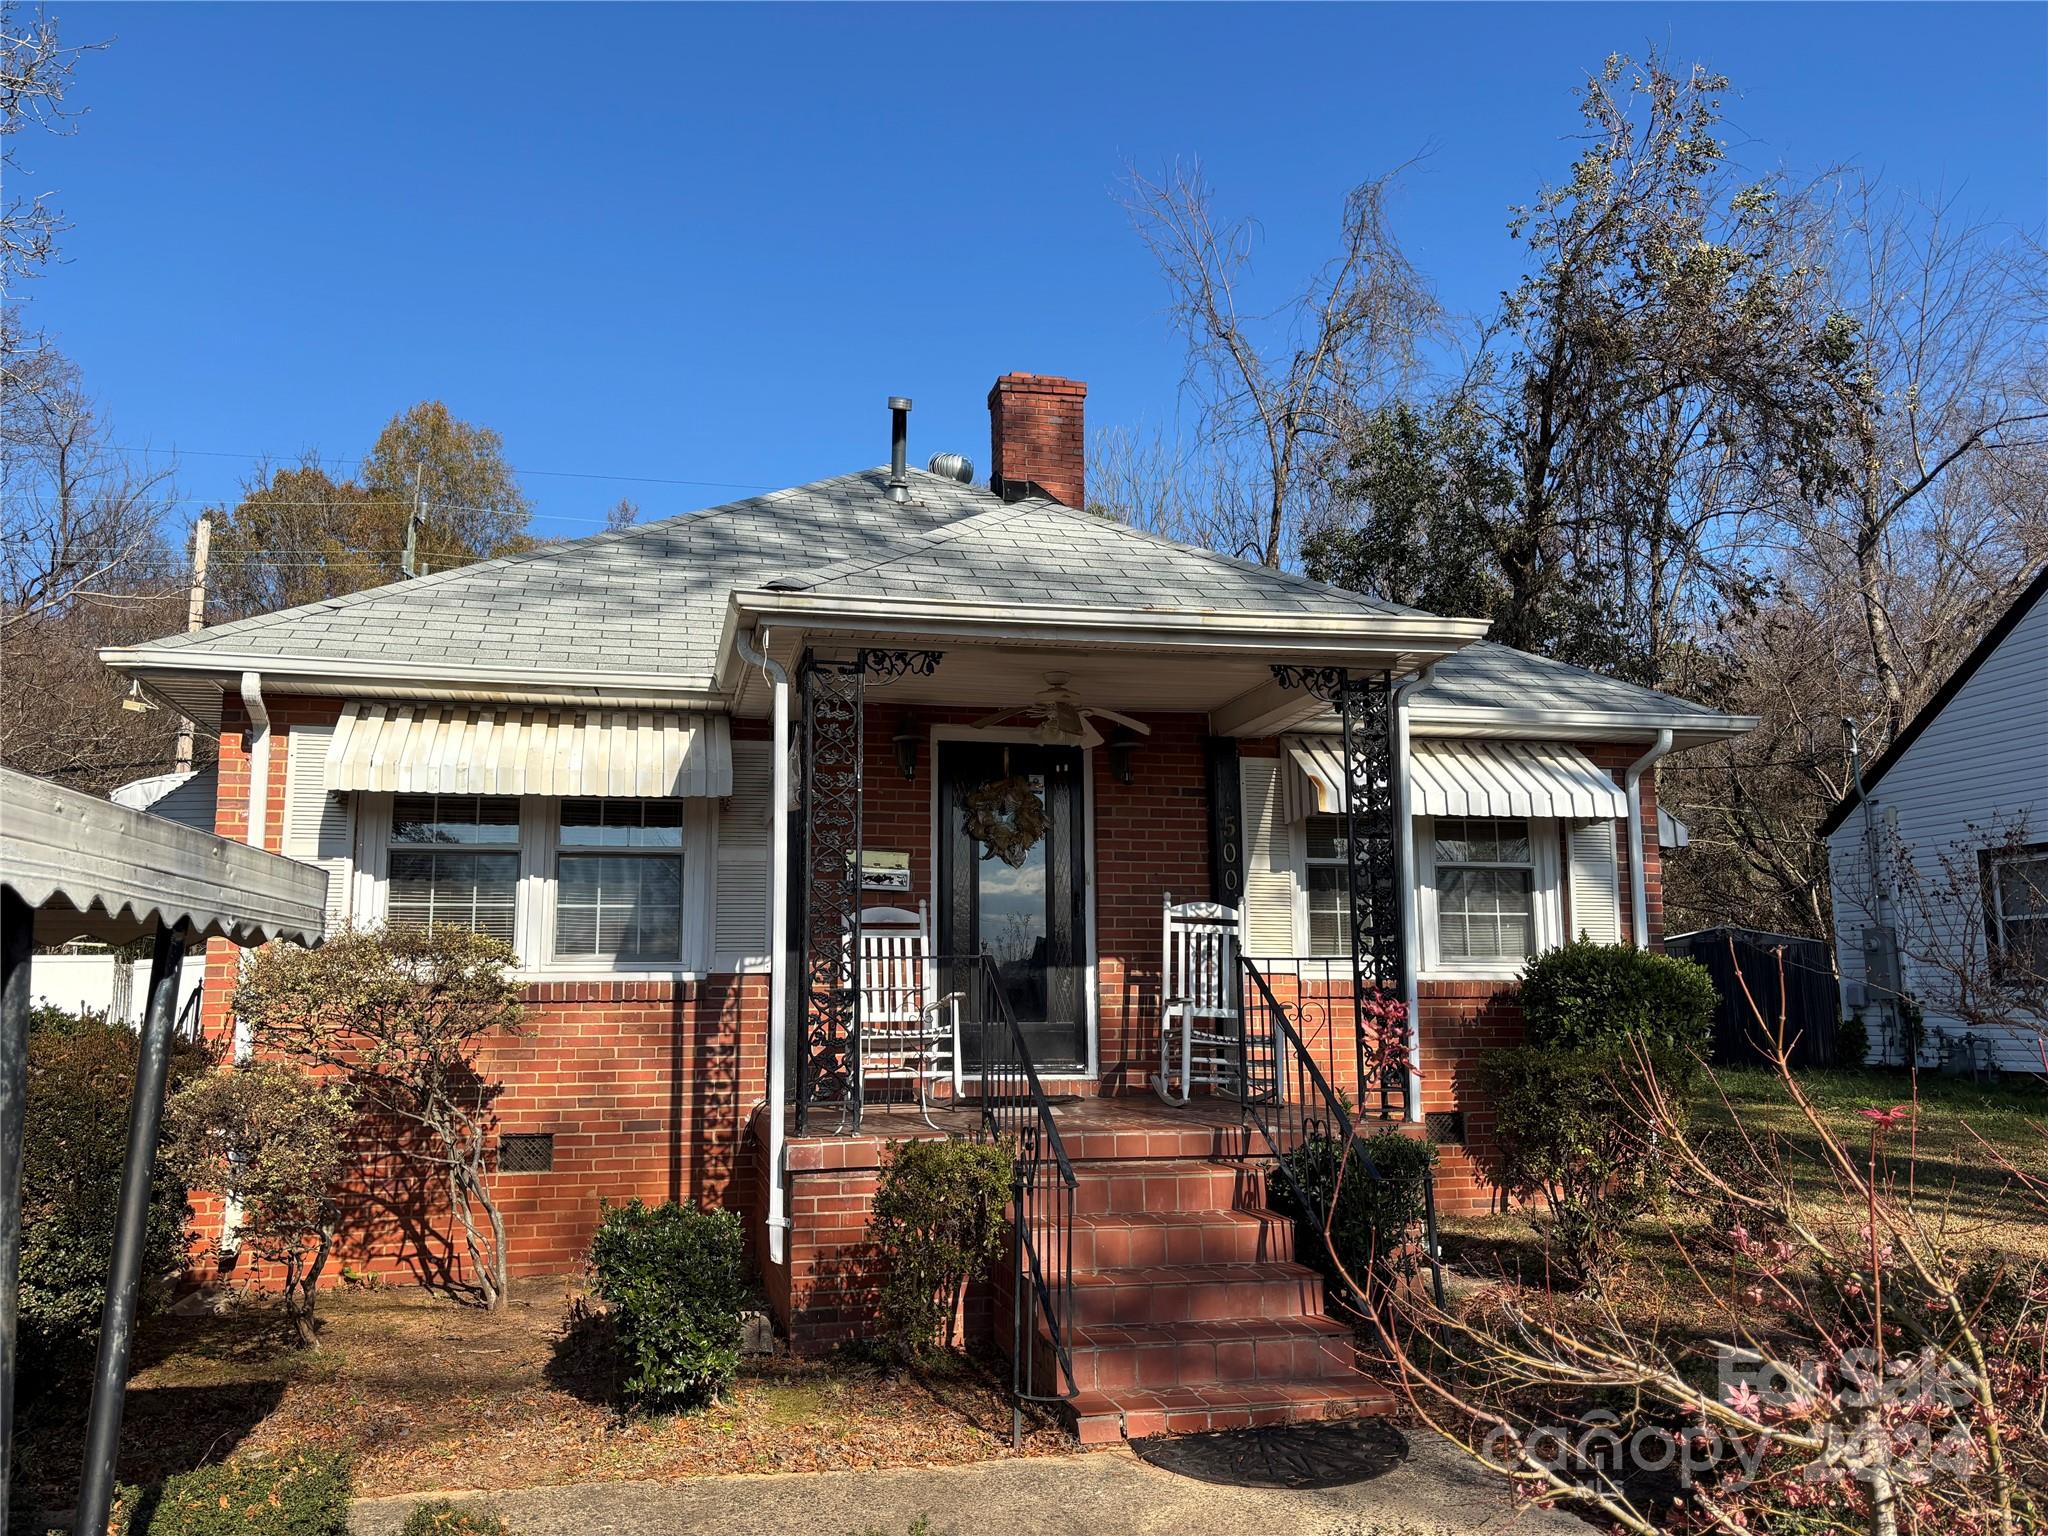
pixel 1981 763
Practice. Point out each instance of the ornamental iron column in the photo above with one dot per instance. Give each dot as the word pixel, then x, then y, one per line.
pixel 1372 848
pixel 827 1065
pixel 834 744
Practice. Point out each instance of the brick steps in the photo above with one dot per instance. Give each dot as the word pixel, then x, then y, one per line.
pixel 1105 1418
pixel 1235 1352
pixel 1140 1239
pixel 1189 1311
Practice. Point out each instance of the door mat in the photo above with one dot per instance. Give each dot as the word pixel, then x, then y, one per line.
pixel 1281 1455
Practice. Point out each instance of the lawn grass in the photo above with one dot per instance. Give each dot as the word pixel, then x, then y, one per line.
pixel 1955 1180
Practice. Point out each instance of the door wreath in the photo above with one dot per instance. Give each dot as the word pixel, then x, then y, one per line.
pixel 1007 818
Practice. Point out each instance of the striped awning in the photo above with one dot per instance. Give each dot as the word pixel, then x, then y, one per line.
pixel 1465 778
pixel 445 750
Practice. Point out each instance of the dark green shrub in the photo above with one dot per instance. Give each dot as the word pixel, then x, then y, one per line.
pixel 299 1493
pixel 1852 1041
pixel 1571 1129
pixel 1587 996
pixel 675 1279
pixel 1376 1220
pixel 938 1224
pixel 445 1517
pixel 81 1077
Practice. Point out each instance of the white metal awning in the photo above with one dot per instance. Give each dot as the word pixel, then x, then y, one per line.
pixel 93 869
pixel 1464 778
pixel 447 750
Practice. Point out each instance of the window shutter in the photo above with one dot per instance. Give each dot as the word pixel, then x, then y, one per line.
pixel 740 928
pixel 1269 861
pixel 316 823
pixel 1596 897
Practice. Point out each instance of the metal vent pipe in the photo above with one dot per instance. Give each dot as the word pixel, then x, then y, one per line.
pixel 899 448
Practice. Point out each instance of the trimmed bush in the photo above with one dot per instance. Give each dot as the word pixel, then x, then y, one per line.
pixel 676 1281
pixel 1376 1219
pixel 1587 996
pixel 1571 1129
pixel 81 1078
pixel 445 1517
pixel 299 1493
pixel 938 1223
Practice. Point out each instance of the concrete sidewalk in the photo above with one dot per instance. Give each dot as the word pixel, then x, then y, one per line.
pixel 1106 1493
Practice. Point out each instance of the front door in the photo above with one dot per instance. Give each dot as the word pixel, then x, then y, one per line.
pixel 1030 916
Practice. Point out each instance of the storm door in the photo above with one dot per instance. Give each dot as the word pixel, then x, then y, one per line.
pixel 1018 898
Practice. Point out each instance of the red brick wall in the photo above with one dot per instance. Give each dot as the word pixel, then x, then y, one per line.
pixel 646 1087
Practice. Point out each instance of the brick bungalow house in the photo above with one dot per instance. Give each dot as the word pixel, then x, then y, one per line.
pixel 645 756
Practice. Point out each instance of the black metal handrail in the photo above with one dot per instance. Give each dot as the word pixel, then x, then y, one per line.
pixel 1291 1104
pixel 1016 1113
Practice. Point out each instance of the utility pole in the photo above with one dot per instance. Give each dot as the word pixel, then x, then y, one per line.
pixel 195 618
pixel 411 564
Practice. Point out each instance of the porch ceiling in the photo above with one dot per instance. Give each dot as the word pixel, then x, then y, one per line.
pixel 998 676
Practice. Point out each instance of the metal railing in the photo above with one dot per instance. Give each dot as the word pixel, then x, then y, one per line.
pixel 1290 1103
pixel 1016 1113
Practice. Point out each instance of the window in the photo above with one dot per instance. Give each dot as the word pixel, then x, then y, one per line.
pixel 1485 890
pixel 2016 909
pixel 455 862
pixel 1328 880
pixel 619 880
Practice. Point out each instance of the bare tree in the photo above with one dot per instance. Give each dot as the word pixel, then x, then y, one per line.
pixel 1939 519
pixel 81 520
pixel 84 562
pixel 1180 490
pixel 1279 389
pixel 35 77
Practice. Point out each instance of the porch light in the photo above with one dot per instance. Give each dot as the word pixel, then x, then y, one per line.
pixel 906 746
pixel 1123 748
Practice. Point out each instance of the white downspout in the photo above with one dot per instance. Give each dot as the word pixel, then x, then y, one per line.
pixel 778 956
pixel 1638 886
pixel 1411 904
pixel 257 747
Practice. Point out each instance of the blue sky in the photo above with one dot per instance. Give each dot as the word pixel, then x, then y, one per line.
pixel 706 244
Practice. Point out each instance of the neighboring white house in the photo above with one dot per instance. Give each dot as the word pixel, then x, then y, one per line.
pixel 1954 820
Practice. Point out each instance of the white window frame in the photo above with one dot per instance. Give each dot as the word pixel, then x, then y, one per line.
pixel 534 904
pixel 1304 934
pixel 1994 892
pixel 1546 906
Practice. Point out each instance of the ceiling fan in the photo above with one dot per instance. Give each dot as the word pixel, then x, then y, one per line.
pixel 1063 720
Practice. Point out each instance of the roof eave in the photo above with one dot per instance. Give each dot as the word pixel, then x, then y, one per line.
pixel 1689 728
pixel 1402 641
pixel 398 679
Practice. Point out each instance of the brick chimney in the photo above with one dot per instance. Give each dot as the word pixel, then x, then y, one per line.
pixel 1035 437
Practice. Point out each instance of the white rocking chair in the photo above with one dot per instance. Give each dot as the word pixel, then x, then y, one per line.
pixel 1198 1013
pixel 906 1033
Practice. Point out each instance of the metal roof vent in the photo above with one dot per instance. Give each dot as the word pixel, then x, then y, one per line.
pixel 952 466
pixel 899 448
pixel 788 584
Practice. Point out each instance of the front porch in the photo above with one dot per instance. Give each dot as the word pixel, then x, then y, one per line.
pixel 1030 864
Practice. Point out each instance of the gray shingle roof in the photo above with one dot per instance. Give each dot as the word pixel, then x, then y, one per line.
pixel 650 600
pixel 1489 677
